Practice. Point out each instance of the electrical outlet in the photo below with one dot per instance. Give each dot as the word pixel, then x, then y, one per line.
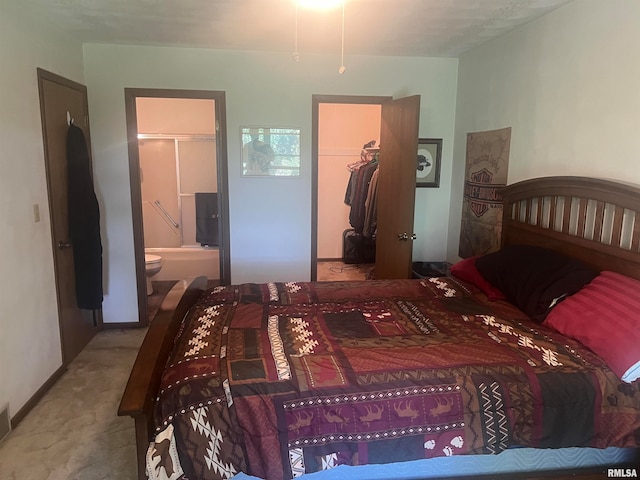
pixel 36 212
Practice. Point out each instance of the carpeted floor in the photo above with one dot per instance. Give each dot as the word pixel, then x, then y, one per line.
pixel 330 271
pixel 73 433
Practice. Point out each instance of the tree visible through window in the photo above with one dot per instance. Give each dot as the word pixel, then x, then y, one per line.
pixel 271 151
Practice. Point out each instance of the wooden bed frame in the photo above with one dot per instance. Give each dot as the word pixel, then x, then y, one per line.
pixel 139 398
pixel 596 221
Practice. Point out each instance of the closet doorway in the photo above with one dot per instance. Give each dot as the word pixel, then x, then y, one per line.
pixel 177 154
pixel 395 127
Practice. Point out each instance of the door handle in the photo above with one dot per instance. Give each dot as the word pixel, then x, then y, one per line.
pixel 62 245
pixel 403 237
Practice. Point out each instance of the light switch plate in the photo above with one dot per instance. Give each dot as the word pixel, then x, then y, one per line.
pixel 36 212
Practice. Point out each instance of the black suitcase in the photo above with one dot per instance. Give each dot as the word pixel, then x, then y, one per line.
pixel 429 269
pixel 356 248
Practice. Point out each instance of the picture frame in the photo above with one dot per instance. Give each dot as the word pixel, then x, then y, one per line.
pixel 428 162
pixel 270 151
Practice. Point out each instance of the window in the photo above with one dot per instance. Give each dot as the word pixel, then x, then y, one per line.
pixel 270 151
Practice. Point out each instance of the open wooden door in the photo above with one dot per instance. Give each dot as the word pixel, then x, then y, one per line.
pixel 397 187
pixel 59 98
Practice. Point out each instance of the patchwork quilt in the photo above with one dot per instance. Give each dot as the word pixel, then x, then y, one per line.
pixel 282 379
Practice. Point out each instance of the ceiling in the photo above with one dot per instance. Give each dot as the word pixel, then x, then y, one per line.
pixel 420 28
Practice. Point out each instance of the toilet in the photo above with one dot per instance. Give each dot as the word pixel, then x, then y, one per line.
pixel 153 264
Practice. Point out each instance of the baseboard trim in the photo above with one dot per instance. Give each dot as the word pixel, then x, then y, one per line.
pixel 5 424
pixel 112 326
pixel 20 414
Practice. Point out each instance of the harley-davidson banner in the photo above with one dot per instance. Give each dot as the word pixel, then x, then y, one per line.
pixel 486 173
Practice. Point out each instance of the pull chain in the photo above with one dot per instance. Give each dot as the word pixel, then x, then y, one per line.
pixel 342 68
pixel 296 55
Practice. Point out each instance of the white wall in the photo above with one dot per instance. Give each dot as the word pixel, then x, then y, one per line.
pixel 29 332
pixel 269 217
pixel 567 84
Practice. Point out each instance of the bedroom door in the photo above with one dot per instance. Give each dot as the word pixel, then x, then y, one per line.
pixel 397 187
pixel 60 97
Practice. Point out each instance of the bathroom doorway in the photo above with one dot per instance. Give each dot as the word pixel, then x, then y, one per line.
pixel 177 152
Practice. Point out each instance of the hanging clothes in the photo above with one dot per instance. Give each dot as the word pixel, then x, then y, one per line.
pixel 84 222
pixel 358 243
pixel 361 188
pixel 358 188
pixel 370 208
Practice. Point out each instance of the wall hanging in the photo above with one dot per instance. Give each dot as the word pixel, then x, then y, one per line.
pixel 270 151
pixel 428 168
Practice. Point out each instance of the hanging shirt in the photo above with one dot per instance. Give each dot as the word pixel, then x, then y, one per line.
pixel 361 188
pixel 370 207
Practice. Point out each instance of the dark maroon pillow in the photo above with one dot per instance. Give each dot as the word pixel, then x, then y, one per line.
pixel 534 278
pixel 466 270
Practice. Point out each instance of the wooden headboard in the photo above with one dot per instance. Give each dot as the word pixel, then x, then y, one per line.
pixel 596 221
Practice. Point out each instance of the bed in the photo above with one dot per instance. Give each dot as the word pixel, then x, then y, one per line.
pixel 282 379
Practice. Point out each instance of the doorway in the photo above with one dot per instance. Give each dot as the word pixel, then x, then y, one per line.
pixel 398 135
pixel 327 226
pixel 177 151
pixel 348 135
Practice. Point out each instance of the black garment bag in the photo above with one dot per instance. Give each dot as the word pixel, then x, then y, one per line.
pixel 84 222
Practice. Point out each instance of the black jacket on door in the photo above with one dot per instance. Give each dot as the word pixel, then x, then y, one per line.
pixel 84 222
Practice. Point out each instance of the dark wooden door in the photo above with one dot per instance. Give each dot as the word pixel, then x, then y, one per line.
pixel 397 187
pixel 59 96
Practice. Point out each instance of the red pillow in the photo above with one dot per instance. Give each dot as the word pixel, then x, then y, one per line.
pixel 466 270
pixel 605 317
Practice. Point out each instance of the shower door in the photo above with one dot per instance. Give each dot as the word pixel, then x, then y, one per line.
pixel 160 209
pixel 197 172
pixel 173 170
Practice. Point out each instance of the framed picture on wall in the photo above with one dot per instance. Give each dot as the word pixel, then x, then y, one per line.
pixel 270 151
pixel 428 167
